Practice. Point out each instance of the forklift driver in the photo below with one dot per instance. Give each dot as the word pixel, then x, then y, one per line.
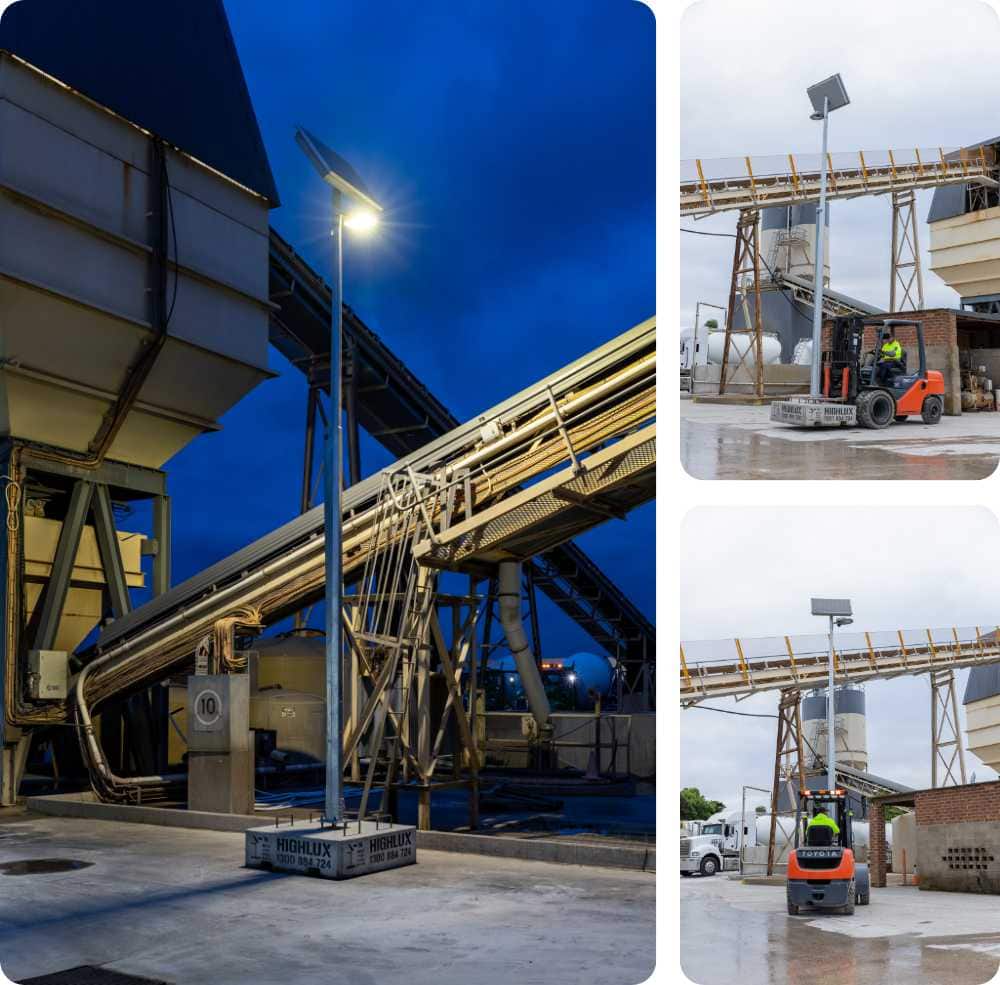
pixel 890 359
pixel 821 829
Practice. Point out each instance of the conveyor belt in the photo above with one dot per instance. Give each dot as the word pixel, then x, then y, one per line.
pixel 397 410
pixel 636 346
pixel 740 667
pixel 709 186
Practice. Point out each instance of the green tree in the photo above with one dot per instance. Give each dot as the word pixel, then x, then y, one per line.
pixel 711 324
pixel 694 807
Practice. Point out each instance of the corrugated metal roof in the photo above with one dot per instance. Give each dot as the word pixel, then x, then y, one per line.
pixel 171 67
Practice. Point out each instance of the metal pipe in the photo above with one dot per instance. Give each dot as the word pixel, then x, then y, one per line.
pixel 509 593
pixel 817 354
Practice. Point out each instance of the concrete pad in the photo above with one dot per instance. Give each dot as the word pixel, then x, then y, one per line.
pixel 903 935
pixel 734 442
pixel 179 905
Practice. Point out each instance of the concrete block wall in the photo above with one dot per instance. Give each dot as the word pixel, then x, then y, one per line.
pixel 958 838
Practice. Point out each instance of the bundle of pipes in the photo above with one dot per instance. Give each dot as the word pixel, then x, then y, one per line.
pixel 605 395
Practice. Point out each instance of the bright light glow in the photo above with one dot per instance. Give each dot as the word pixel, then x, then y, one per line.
pixel 361 220
pixel 571 678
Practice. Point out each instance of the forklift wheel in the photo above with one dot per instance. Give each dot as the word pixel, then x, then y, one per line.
pixel 932 410
pixel 793 909
pixel 876 409
pixel 863 899
pixel 848 908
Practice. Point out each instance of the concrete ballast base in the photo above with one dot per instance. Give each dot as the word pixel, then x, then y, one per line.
pixel 331 853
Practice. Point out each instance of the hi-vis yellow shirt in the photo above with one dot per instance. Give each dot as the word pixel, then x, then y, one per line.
pixel 892 350
pixel 824 819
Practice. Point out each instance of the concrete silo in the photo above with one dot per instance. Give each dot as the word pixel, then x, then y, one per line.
pixel 850 727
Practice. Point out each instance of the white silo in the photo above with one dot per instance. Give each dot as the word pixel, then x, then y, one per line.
pixel 850 727
pixel 788 241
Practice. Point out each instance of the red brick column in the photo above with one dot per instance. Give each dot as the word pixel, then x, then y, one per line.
pixel 876 843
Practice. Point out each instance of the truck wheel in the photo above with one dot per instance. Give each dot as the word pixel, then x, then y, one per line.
pixel 932 410
pixel 876 409
pixel 709 866
pixel 793 909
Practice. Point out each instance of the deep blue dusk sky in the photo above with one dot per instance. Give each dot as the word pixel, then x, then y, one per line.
pixel 513 145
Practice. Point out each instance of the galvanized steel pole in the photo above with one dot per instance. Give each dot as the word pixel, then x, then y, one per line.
pixel 831 767
pixel 814 386
pixel 333 467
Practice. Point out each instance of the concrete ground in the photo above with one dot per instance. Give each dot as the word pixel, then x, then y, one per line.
pixel 178 905
pixel 731 932
pixel 740 442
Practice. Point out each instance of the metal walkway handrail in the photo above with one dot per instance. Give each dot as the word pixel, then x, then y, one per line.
pixel 708 186
pixel 736 674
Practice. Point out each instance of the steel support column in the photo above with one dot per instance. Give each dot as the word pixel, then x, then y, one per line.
pixel 947 754
pixel 351 370
pixel 746 265
pixel 54 597
pixel 906 284
pixel 111 555
pixel 788 765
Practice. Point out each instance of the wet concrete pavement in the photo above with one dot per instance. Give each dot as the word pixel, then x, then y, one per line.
pixel 178 905
pixel 736 933
pixel 739 442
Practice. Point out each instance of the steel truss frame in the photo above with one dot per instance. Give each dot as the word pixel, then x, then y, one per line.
pixel 906 281
pixel 746 271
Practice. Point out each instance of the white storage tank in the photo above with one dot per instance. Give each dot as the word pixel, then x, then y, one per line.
pixel 739 344
pixel 850 726
pixel 79 221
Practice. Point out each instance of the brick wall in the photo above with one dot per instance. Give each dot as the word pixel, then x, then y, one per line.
pixel 876 844
pixel 946 805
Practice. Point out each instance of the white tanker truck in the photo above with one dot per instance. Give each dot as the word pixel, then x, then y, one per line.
pixel 726 834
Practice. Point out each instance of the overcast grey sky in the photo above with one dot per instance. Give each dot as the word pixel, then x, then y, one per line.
pixel 751 572
pixel 920 73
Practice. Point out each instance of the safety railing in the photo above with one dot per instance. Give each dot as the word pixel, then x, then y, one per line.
pixel 746 665
pixel 721 184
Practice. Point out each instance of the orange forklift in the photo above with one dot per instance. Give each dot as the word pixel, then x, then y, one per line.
pixel 822 873
pixel 859 391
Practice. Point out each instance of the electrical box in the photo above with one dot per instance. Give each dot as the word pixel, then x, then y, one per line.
pixel 48 675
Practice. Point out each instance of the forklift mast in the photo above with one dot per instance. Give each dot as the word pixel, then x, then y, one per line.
pixel 842 361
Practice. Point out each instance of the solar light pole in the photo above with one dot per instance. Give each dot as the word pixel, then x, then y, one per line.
pixel 838 611
pixel 354 208
pixel 825 96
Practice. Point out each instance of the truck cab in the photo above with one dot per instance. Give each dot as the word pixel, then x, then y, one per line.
pixel 717 848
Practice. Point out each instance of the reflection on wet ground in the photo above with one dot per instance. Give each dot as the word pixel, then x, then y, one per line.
pixel 722 943
pixel 729 451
